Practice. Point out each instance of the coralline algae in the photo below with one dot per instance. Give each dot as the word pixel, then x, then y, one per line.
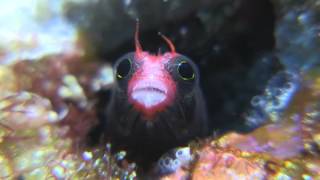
pixel 36 140
pixel 33 28
pixel 297 34
pixel 286 149
pixel 47 107
pixel 276 97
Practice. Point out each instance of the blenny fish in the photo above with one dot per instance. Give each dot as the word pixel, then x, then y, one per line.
pixel 156 103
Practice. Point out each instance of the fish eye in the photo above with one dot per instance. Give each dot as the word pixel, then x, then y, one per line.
pixel 186 71
pixel 123 68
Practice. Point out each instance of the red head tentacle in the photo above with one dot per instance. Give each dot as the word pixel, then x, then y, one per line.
pixel 159 52
pixel 136 40
pixel 172 48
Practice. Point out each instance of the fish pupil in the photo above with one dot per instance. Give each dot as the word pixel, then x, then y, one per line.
pixel 123 68
pixel 186 71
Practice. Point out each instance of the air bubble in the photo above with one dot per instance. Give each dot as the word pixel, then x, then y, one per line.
pixel 278 92
pixel 305 18
pixel 120 155
pixel 167 161
pixel 161 162
pixel 176 163
pixel 179 153
pixel 256 101
pixel 87 156
pixel 289 85
pixel 276 104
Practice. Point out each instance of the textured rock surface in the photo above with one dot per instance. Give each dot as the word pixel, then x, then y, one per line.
pixel 33 29
pixel 46 137
pixel 260 69
pixel 287 149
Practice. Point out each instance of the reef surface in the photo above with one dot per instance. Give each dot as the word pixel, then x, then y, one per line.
pixel 265 122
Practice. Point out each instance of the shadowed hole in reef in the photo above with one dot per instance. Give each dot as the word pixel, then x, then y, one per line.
pixel 230 42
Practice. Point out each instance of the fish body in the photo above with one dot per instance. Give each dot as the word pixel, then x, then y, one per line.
pixel 156 103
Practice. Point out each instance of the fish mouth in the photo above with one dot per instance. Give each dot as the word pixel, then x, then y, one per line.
pixel 149 94
pixel 150 89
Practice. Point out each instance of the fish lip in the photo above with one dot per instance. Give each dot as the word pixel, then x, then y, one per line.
pixel 149 94
pixel 150 88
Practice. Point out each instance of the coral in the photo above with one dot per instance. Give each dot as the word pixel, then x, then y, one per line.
pixel 215 163
pixel 39 29
pixel 7 80
pixel 297 33
pixel 25 110
pixel 48 105
pixel 275 99
pixel 174 160
pixel 288 148
pixel 45 117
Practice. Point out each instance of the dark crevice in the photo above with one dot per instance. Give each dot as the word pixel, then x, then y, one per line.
pixel 232 49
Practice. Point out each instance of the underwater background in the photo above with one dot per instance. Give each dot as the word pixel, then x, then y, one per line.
pixel 260 73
